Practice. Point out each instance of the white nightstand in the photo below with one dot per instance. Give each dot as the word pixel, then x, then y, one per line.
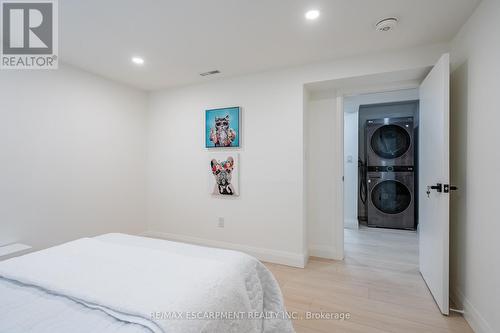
pixel 10 250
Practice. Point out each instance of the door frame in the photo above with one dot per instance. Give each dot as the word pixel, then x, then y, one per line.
pixel 339 151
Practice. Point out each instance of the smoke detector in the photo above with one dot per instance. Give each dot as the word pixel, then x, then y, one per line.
pixel 386 24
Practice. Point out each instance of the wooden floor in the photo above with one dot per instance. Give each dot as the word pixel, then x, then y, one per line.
pixel 378 285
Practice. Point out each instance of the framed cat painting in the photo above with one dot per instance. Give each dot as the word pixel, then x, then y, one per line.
pixel 222 128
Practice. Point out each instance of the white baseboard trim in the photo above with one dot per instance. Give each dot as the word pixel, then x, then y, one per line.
pixel 473 317
pixel 323 251
pixel 268 255
pixel 351 223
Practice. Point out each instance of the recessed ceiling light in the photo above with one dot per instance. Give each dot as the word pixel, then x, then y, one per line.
pixel 312 14
pixel 138 60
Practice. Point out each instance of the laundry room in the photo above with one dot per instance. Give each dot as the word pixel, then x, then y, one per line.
pixel 380 147
pixel 380 173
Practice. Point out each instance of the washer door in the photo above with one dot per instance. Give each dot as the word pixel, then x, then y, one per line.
pixel 391 197
pixel 390 141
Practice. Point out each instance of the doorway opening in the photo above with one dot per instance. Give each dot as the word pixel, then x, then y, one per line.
pixel 381 160
pixel 380 179
pixel 389 185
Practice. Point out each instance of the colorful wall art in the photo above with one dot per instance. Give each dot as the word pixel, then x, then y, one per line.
pixel 222 128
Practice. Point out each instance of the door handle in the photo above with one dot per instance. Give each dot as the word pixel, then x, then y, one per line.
pixel 438 187
pixel 448 188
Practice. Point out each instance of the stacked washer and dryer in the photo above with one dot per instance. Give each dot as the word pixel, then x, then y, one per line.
pixel 390 162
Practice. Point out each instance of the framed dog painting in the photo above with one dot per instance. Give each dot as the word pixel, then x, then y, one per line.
pixel 223 170
pixel 222 128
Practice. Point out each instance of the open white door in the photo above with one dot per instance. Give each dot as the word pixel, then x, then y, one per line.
pixel 434 180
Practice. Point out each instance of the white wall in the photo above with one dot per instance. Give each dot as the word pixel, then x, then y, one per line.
pixel 268 219
pixel 321 167
pixel 351 183
pixel 268 213
pixel 475 161
pixel 71 156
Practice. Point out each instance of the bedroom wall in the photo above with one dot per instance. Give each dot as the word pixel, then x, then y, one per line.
pixel 475 161
pixel 270 202
pixel 269 220
pixel 71 156
pixel 321 170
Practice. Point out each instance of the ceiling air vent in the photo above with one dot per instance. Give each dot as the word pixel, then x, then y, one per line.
pixel 210 73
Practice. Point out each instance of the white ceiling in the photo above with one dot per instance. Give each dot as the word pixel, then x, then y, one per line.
pixel 181 38
pixel 416 75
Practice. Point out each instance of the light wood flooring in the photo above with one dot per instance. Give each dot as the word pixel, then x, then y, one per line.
pixel 378 284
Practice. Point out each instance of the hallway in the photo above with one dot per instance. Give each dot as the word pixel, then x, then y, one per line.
pixel 378 284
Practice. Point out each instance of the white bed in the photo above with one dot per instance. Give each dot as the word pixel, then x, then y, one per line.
pixel 130 284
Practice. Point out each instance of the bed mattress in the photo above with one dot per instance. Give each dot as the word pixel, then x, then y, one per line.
pixel 25 309
pixel 123 283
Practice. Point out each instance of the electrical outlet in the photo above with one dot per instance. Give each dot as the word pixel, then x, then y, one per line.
pixel 220 224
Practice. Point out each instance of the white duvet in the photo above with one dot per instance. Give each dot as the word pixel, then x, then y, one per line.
pixel 155 285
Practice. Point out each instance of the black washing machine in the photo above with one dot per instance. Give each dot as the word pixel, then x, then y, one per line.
pixel 391 198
